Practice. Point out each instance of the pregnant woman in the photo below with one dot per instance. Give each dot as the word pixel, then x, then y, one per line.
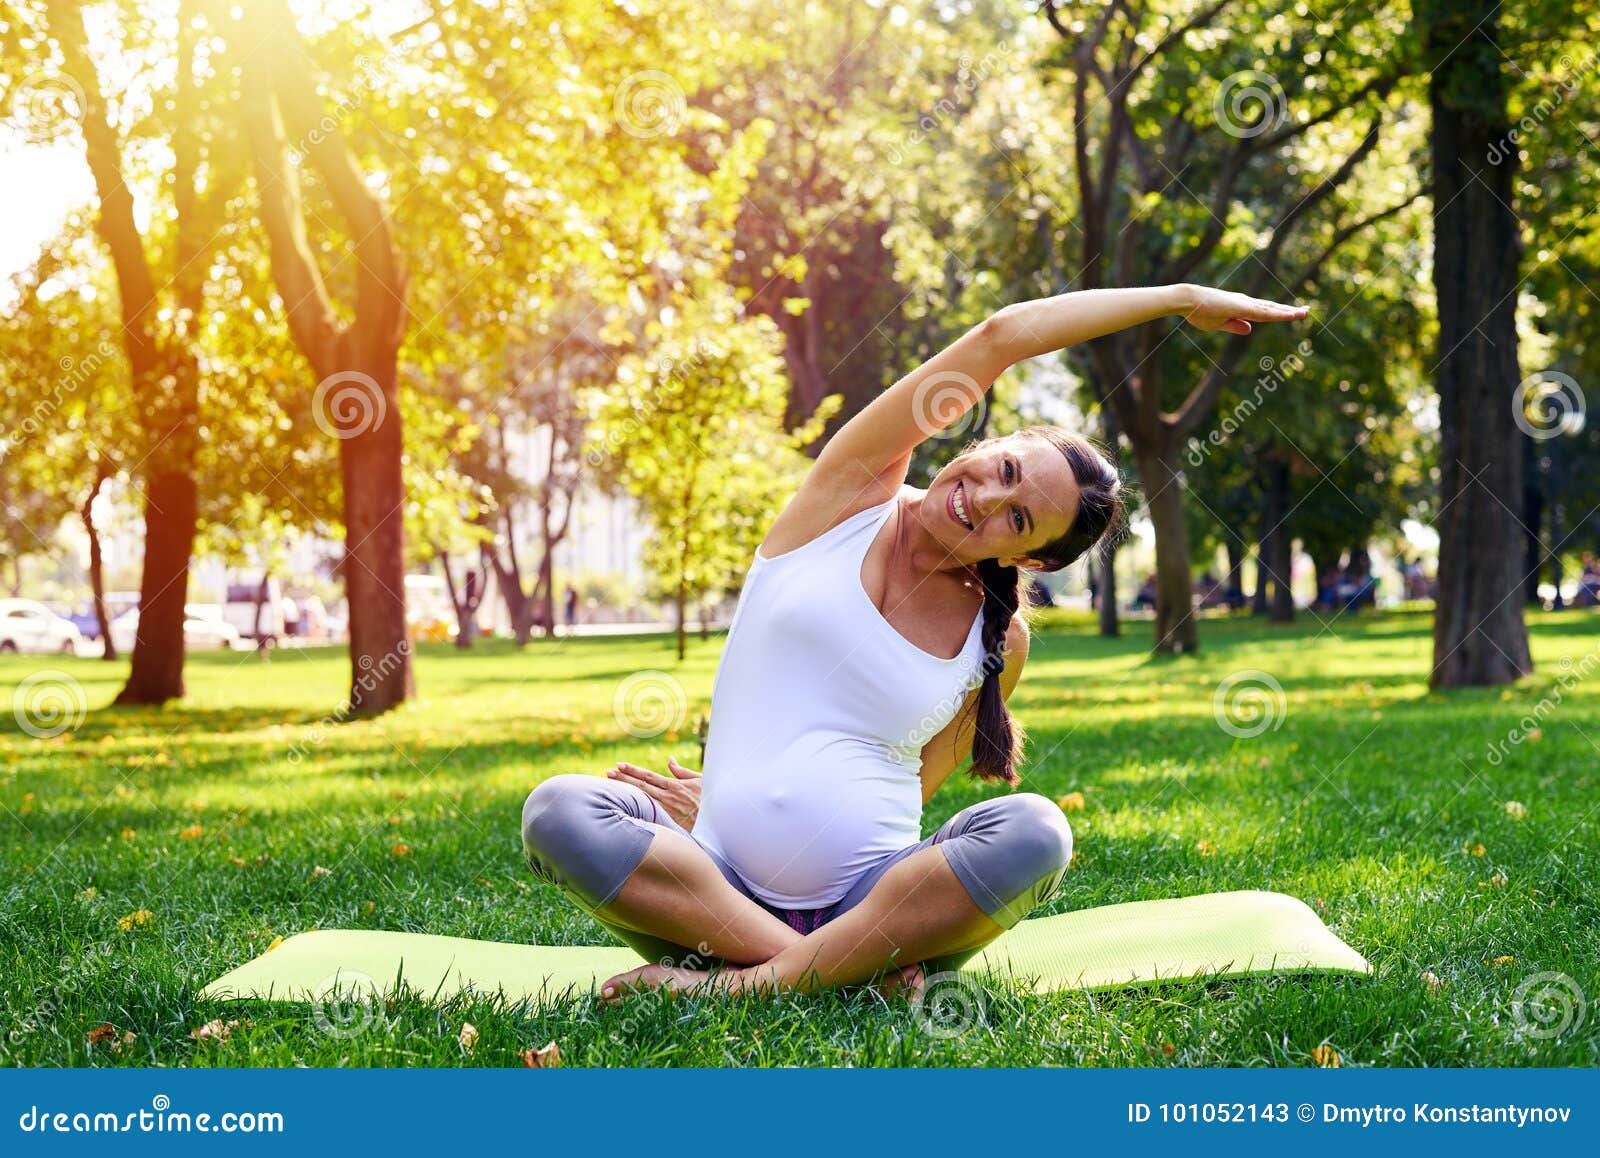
pixel 873 648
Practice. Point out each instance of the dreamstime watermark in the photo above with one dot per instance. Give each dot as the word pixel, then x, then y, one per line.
pixel 372 674
pixel 1248 703
pixel 1565 89
pixel 48 703
pixel 369 76
pixel 938 717
pixel 1547 1005
pixel 1528 728
pixel 74 373
pixel 348 404
pixel 950 1005
pixel 1549 404
pixel 1273 375
pixel 969 76
pixel 649 104
pixel 649 703
pixel 671 379
pixel 346 1004
pixel 942 405
pixel 1249 103
pixel 44 107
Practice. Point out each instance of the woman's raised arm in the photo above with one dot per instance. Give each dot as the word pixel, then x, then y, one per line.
pixel 865 463
pixel 936 394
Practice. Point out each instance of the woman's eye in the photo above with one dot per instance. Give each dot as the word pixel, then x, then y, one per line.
pixel 1016 520
pixel 1007 471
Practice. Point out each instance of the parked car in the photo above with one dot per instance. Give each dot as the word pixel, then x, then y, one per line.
pixel 27 625
pixel 203 628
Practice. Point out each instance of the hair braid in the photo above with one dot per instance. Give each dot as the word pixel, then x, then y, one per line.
pixel 997 738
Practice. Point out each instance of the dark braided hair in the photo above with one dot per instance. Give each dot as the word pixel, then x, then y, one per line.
pixel 997 738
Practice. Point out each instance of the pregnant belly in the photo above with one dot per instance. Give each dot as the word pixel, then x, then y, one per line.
pixel 800 835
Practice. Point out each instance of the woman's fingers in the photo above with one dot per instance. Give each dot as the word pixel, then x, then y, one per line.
pixel 680 771
pixel 641 776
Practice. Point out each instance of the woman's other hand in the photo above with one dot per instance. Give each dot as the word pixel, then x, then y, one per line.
pixel 678 794
pixel 1213 309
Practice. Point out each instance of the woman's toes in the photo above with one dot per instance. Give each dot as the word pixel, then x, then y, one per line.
pixel 647 977
pixel 907 982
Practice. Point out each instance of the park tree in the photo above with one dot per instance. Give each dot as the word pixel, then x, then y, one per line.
pixel 695 425
pixel 1479 633
pixel 161 267
pixel 1207 137
pixel 65 414
pixel 1316 442
pixel 356 362
pixel 1555 118
pixel 855 95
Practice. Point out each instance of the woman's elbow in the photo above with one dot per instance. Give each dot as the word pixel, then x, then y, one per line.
pixel 997 334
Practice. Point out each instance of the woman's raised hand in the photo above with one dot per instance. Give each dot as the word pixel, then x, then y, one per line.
pixel 678 794
pixel 1213 309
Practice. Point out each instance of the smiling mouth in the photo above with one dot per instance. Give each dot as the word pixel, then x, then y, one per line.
pixel 956 503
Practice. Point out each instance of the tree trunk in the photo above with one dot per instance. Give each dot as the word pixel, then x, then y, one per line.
pixel 1234 547
pixel 1479 636
pixel 681 603
pixel 261 600
pixel 1175 630
pixel 1104 560
pixel 1532 519
pixel 545 595
pixel 1278 544
pixel 97 581
pixel 463 603
pixel 508 576
pixel 375 559
pixel 1258 595
pixel 1282 608
pixel 169 526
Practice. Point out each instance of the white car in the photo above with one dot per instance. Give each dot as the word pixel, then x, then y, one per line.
pixel 202 629
pixel 27 625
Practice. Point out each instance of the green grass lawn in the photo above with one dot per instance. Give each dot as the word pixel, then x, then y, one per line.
pixel 146 852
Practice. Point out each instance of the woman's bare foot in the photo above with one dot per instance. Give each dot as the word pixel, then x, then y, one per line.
pixel 905 982
pixel 647 977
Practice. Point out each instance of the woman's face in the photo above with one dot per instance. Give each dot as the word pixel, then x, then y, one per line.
pixel 1002 500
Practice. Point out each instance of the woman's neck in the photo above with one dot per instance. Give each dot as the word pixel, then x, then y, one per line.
pixel 919 551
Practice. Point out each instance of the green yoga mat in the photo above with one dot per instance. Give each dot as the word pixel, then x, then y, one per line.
pixel 1217 935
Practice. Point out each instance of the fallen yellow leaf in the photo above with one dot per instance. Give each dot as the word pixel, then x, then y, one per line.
pixel 545 1058
pixel 1431 980
pixel 191 832
pixel 1327 1057
pixel 400 850
pixel 468 1037
pixel 1502 962
pixel 1205 848
pixel 137 917
pixel 276 941
pixel 1071 802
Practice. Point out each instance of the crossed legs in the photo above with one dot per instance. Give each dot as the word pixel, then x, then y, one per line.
pixel 615 855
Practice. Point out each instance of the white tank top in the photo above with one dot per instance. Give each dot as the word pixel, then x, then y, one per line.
pixel 819 713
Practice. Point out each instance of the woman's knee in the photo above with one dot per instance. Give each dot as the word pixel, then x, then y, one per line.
pixel 1042 835
pixel 1015 852
pixel 583 834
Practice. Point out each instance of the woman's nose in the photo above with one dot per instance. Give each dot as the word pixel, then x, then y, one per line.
pixel 984 501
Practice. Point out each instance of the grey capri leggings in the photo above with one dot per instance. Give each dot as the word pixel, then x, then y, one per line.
pixel 586 835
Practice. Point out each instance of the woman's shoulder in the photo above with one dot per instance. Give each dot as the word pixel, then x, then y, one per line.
pixel 823 504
